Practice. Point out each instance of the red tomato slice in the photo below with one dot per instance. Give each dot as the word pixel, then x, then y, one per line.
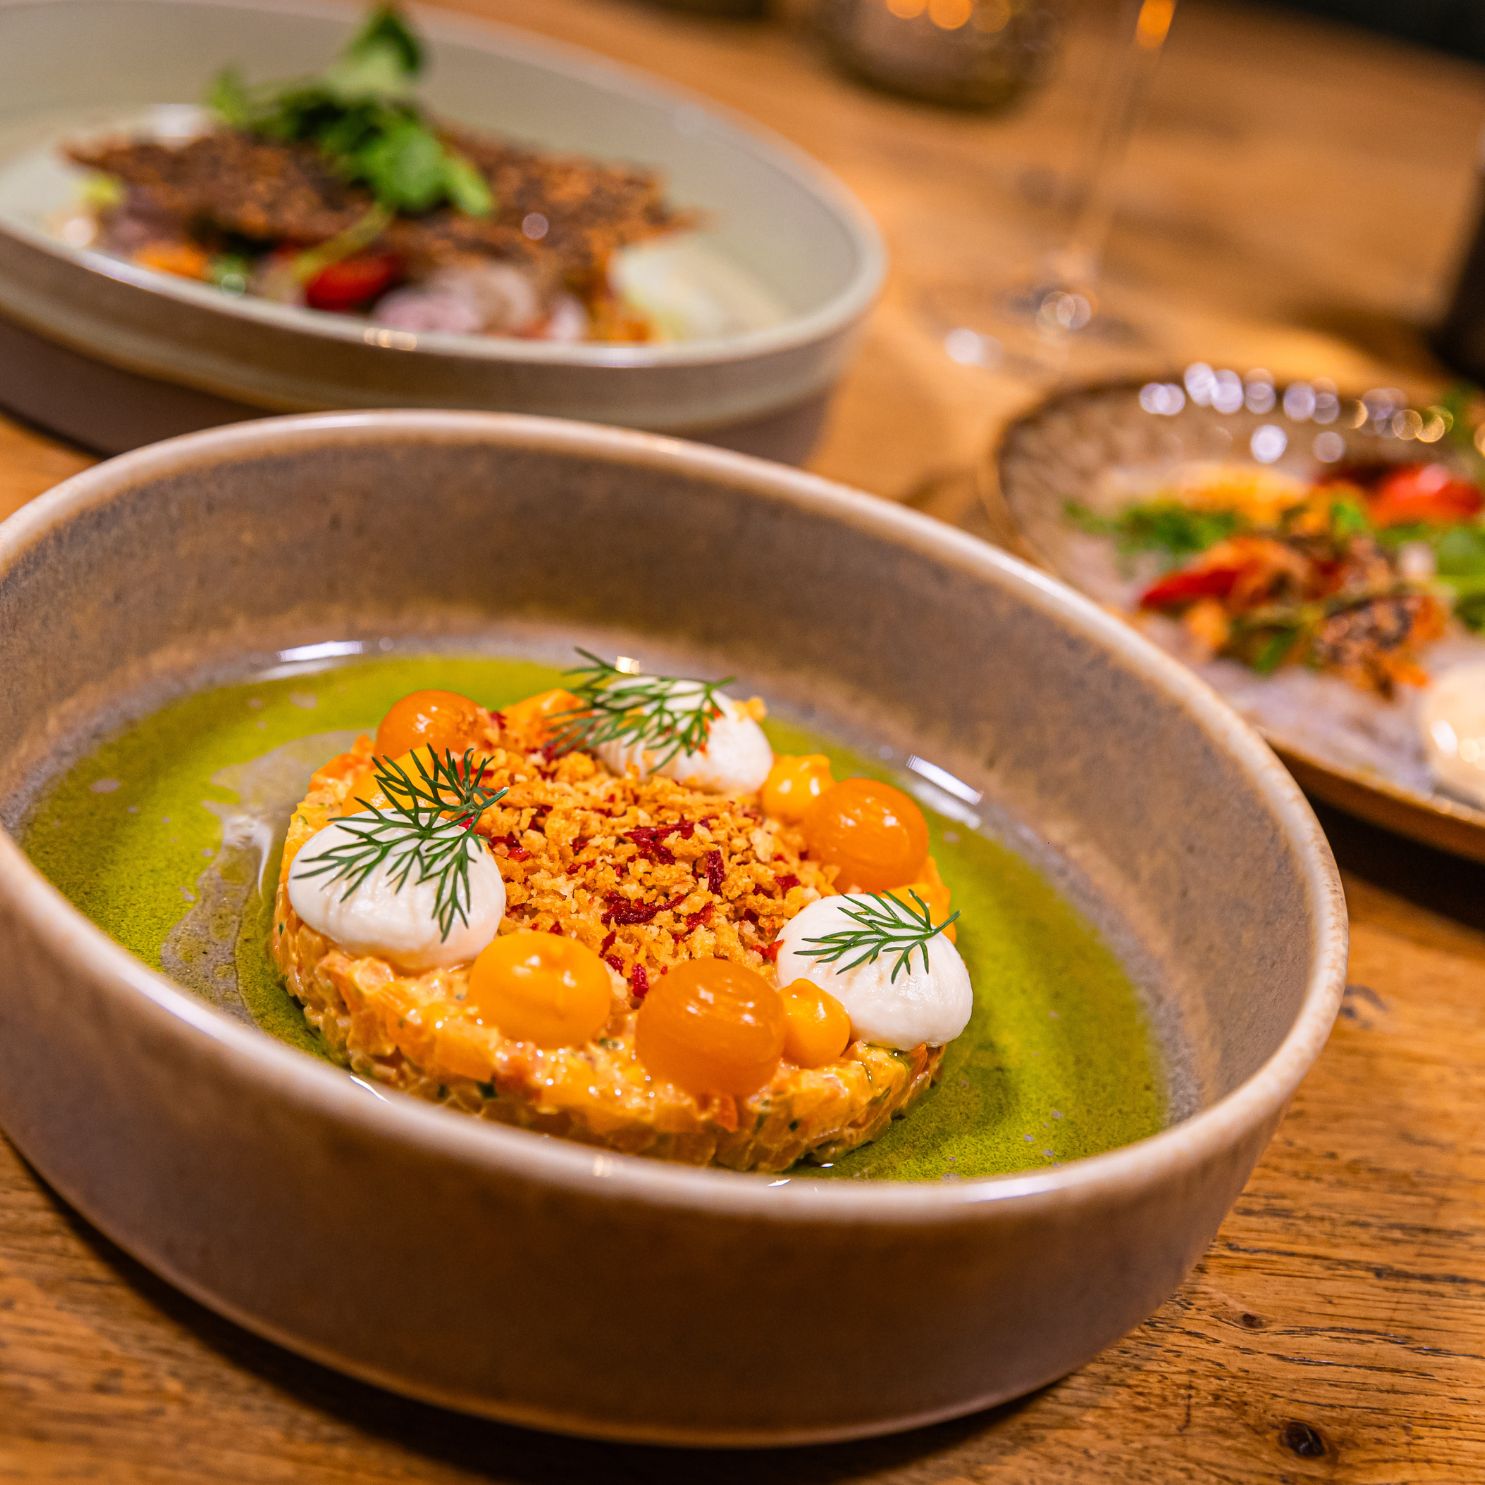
pixel 1177 589
pixel 352 282
pixel 1424 492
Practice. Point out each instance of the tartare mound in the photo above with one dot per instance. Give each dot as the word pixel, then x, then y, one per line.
pixel 647 873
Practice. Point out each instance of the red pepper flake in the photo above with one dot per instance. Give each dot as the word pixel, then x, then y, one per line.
pixel 640 981
pixel 498 718
pixel 701 919
pixel 649 841
pixel 556 928
pixel 711 864
pixel 771 953
pixel 786 883
pixel 620 909
pixel 614 963
pixel 608 940
pixel 514 850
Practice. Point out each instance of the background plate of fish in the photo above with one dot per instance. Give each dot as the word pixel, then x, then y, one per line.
pixel 233 208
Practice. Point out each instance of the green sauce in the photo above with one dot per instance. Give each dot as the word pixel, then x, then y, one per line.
pixel 166 836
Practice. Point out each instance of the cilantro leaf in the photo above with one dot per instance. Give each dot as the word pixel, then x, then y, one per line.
pixel 403 164
pixel 465 186
pixel 386 33
pixel 361 114
pixel 1166 526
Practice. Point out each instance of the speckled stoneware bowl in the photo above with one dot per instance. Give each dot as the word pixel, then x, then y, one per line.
pixel 537 1280
pixel 114 355
pixel 1108 443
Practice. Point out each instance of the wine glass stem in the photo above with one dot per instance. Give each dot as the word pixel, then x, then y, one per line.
pixel 1076 264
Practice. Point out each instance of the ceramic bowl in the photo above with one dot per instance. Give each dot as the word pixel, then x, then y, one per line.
pixel 114 355
pixel 537 1280
pixel 1105 443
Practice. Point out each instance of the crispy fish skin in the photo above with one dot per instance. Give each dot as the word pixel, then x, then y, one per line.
pixel 559 212
pixel 413 1032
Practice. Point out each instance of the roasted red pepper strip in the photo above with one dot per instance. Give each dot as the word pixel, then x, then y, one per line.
pixel 352 282
pixel 1177 589
pixel 1424 492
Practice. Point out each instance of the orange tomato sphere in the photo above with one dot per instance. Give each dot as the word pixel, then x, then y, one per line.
pixel 438 719
pixel 818 1027
pixel 542 988
pixel 872 833
pixel 712 1026
pixel 530 721
pixel 794 783
pixel 363 786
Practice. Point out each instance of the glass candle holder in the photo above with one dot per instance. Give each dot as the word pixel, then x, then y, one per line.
pixel 967 53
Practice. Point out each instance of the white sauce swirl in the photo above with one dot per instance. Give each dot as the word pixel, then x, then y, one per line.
pixel 398 924
pixel 735 759
pixel 929 1005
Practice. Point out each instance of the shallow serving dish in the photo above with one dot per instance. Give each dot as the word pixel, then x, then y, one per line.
pixel 1106 443
pixel 114 355
pixel 536 1280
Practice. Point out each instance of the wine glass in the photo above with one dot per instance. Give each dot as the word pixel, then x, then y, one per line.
pixel 1032 323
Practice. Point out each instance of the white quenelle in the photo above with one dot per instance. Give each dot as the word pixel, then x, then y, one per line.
pixel 929 1003
pixel 396 923
pixel 735 759
pixel 1452 721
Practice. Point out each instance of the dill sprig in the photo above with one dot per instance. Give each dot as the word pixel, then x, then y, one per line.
pixel 426 832
pixel 884 925
pixel 665 714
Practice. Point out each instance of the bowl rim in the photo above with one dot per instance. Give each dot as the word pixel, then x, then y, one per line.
pixel 1431 807
pixel 702 116
pixel 492 1148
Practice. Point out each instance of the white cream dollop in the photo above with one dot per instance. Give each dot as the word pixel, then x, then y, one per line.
pixel 394 923
pixel 1452 721
pixel 735 759
pixel 931 1004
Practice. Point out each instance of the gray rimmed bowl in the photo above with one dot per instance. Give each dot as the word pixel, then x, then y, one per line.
pixel 536 1280
pixel 114 355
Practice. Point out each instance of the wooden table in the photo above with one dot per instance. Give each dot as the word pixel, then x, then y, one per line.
pixel 1293 203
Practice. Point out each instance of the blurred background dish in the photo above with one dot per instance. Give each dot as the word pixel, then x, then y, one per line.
pixel 772 283
pixel 1318 558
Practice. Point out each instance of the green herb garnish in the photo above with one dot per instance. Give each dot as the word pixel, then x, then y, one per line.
pixel 426 832
pixel 884 925
pixel 666 714
pixel 1164 526
pixel 1460 555
pixel 231 272
pixel 361 113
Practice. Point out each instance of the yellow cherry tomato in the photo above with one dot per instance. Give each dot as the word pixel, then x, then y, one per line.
pixel 444 720
pixel 530 721
pixel 712 1026
pixel 794 783
pixel 818 1027
pixel 933 890
pixel 362 790
pixel 873 834
pixel 541 988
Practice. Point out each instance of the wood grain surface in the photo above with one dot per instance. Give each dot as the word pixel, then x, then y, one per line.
pixel 1293 202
